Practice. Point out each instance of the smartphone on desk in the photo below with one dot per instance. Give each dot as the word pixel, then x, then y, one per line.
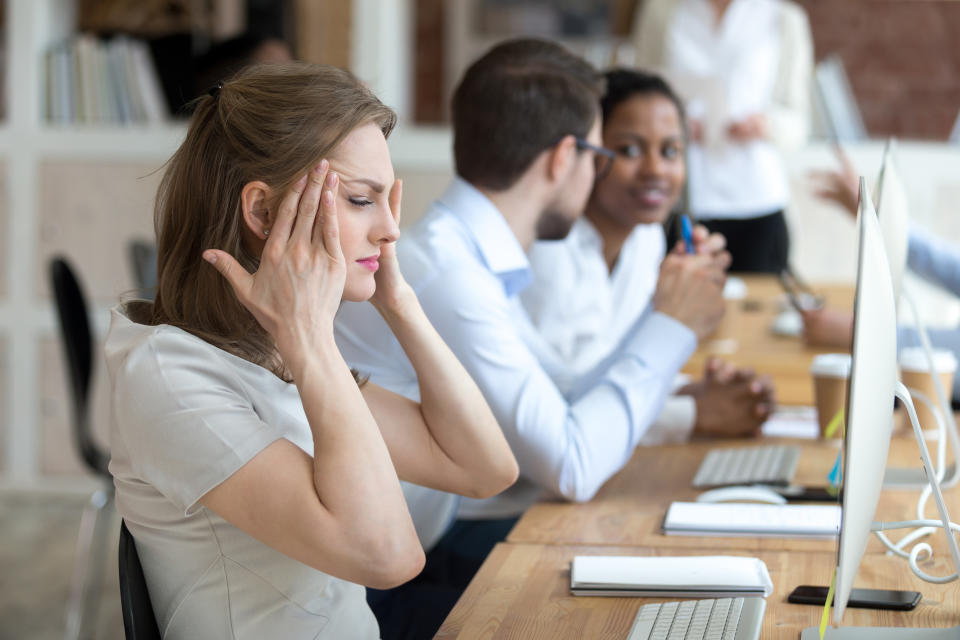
pixel 859 598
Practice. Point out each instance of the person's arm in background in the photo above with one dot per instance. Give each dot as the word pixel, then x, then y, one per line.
pixel 788 120
pixel 570 448
pixel 649 34
pixel 938 262
pixel 934 260
pixel 929 257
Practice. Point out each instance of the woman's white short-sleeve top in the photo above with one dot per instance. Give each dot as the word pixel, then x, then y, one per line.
pixel 186 416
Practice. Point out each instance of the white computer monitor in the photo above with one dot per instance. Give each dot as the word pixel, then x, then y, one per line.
pixel 873 377
pixel 869 425
pixel 890 199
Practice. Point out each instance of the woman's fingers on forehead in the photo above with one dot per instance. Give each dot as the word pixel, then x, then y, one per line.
pixel 310 201
pixel 288 209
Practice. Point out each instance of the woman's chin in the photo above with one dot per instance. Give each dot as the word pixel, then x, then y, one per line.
pixel 359 291
pixel 650 216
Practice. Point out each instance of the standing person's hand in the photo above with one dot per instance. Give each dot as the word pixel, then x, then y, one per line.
pixel 392 289
pixel 753 127
pixel 690 290
pixel 298 286
pixel 841 187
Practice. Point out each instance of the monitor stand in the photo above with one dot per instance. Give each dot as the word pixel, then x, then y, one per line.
pixel 884 633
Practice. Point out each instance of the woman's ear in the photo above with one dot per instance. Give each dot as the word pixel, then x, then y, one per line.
pixel 256 215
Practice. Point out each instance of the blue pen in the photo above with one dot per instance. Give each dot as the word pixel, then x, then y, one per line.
pixel 687 230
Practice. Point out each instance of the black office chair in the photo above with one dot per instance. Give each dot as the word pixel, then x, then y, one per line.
pixel 77 341
pixel 139 621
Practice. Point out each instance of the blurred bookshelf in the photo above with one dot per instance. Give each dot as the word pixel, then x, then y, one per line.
pixel 91 107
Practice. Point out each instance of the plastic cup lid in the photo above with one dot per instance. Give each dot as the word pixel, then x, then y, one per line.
pixel 833 365
pixel 915 359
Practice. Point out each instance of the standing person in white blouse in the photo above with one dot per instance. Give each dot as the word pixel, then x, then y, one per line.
pixel 590 289
pixel 748 64
pixel 257 475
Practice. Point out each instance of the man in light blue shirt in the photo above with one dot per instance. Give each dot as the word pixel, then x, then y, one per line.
pixel 526 142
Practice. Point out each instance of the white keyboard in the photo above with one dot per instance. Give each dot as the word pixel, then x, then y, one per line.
pixel 714 619
pixel 768 464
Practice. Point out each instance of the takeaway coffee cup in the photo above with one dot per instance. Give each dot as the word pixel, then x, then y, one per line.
pixel 915 374
pixel 831 374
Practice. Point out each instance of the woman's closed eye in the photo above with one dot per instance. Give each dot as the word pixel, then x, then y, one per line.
pixel 359 201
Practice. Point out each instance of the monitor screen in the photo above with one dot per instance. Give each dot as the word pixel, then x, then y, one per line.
pixel 890 198
pixel 873 376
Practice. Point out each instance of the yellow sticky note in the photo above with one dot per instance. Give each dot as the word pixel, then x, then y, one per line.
pixel 835 422
pixel 826 605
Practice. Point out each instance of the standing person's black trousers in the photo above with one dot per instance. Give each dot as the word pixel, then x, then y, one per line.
pixel 757 245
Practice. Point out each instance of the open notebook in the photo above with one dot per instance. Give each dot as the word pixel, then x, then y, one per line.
pixel 684 577
pixel 748 519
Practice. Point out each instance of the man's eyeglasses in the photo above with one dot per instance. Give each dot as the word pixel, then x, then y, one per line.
pixel 603 157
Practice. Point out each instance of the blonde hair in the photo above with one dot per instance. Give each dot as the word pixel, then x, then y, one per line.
pixel 269 123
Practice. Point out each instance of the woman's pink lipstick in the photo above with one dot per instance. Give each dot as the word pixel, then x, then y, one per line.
pixel 371 262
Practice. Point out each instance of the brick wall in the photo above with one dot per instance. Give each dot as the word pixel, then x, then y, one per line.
pixel 902 56
pixel 903 59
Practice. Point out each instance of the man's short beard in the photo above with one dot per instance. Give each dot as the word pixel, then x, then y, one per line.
pixel 553 225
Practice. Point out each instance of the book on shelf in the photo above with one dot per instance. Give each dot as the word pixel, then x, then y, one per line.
pixel 106 82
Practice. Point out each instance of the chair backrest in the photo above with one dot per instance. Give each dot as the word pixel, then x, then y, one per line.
pixel 77 341
pixel 139 621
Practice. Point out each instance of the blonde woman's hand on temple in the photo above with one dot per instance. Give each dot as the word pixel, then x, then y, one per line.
pixel 392 290
pixel 298 286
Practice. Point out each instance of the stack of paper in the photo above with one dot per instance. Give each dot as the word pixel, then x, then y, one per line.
pixel 685 577
pixel 746 519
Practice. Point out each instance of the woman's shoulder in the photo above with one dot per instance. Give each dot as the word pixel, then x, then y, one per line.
pixel 126 335
pixel 138 350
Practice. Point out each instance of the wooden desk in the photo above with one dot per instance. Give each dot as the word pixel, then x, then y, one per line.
pixel 523 592
pixel 629 508
pixel 745 338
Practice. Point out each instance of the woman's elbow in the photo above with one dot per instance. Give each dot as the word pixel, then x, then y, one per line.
pixel 507 474
pixel 495 480
pixel 391 565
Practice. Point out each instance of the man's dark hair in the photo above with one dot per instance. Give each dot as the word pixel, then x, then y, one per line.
pixel 516 101
pixel 623 84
